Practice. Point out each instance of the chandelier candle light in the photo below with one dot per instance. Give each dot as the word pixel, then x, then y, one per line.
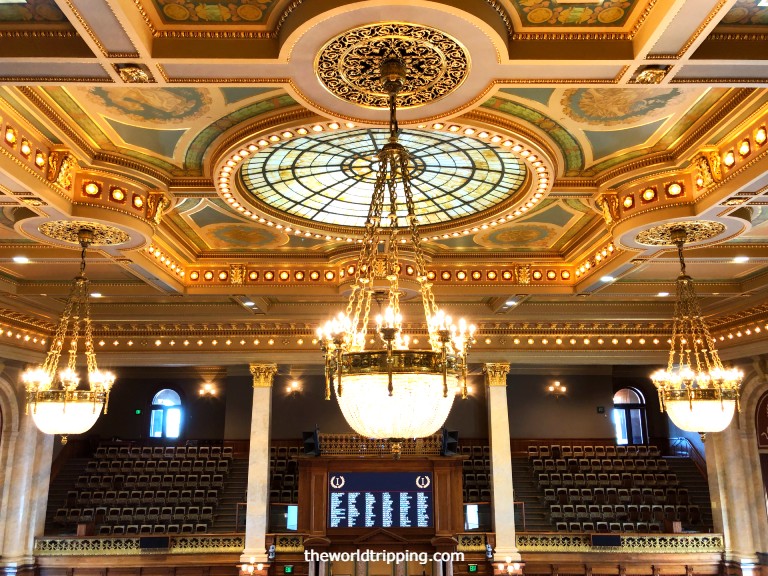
pixel 698 393
pixel 60 407
pixel 392 391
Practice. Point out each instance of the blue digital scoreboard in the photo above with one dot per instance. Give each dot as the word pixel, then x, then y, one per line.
pixel 380 500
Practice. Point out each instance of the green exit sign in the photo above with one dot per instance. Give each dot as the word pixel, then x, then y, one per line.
pixel 138 412
pixel 471 567
pixel 288 569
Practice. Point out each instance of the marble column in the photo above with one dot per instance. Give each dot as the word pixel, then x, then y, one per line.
pixel 257 511
pixel 25 495
pixel 732 469
pixel 501 461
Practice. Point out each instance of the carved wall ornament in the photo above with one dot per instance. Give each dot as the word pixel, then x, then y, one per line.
pixel 708 169
pixel 348 66
pixel 237 273
pixel 609 205
pixel 66 231
pixel 523 273
pixel 156 205
pixel 696 231
pixel 496 373
pixel 61 169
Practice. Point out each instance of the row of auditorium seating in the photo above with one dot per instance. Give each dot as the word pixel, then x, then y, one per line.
pixel 475 451
pixel 137 515
pixel 86 498
pixel 142 466
pixel 474 495
pixel 163 452
pixel 624 480
pixel 603 527
pixel 153 481
pixel 687 513
pixel 476 464
pixel 147 529
pixel 670 495
pixel 599 451
pixel 476 473
pixel 585 465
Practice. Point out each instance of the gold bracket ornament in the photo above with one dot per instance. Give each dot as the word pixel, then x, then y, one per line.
pixel 263 375
pixel 496 373
pixel 609 205
pixel 708 168
pixel 156 205
pixel 237 273
pixel 523 273
pixel 61 169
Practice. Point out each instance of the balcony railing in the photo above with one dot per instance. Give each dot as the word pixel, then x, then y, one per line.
pixel 131 545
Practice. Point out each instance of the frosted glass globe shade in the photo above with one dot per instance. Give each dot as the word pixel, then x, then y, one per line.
pixel 416 409
pixel 704 416
pixel 66 418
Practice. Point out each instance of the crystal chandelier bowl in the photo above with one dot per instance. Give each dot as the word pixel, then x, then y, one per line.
pixel 66 412
pixel 417 407
pixel 701 415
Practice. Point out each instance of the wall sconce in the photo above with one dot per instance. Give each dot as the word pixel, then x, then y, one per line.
pixel 207 389
pixel 511 568
pixel 251 568
pixel 293 388
pixel 557 390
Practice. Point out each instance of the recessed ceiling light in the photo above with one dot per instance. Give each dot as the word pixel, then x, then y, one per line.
pixel 663 294
pixel 21 259
pixel 607 278
pixel 95 294
pixel 742 259
pixel 249 303
pixel 510 303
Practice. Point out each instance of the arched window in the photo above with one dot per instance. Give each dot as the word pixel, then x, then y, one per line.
pixel 629 417
pixel 165 419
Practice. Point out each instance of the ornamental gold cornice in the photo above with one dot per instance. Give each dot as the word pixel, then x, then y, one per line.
pixel 756 82
pixel 41 104
pixel 645 162
pixel 569 36
pixel 496 373
pixel 630 544
pixel 143 168
pixel 95 546
pixel 37 34
pixel 38 80
pixel 738 36
pixel 263 374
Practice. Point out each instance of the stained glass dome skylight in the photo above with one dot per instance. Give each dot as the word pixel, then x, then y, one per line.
pixel 329 178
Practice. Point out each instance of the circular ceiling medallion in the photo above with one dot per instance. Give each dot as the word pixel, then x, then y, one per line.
pixel 695 230
pixel 329 179
pixel 348 66
pixel 66 231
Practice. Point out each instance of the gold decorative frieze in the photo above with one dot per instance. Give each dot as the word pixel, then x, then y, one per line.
pixel 630 544
pixel 696 231
pixel 62 167
pixel 66 231
pixel 471 543
pixel 289 543
pixel 358 446
pixel 348 66
pixel 181 544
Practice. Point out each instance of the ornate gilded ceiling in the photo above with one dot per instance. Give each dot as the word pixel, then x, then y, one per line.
pixel 235 180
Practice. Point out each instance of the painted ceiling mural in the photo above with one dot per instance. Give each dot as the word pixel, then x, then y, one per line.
pixel 31 11
pixel 612 13
pixel 238 12
pixel 168 127
pixel 746 13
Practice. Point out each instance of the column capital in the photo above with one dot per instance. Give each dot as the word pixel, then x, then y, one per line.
pixel 263 374
pixel 496 373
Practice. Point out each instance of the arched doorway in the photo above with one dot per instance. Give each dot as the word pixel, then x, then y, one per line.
pixel 166 415
pixel 629 417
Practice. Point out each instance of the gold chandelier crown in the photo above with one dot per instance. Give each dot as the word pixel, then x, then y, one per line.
pixel 409 404
pixel 696 390
pixel 61 407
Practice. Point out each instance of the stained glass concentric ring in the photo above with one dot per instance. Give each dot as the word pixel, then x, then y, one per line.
pixel 329 178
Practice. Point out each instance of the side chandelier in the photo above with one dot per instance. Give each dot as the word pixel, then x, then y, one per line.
pixel 697 392
pixel 57 403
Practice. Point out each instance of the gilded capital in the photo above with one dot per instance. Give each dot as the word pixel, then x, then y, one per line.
pixel 496 373
pixel 263 375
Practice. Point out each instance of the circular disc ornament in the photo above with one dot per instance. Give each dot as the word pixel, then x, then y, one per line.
pixel 349 65
pixel 695 230
pixel 66 231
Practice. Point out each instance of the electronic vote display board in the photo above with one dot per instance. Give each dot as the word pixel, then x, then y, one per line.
pixel 380 500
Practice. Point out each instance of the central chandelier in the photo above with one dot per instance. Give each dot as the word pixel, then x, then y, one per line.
pixel 57 403
pixel 384 388
pixel 698 393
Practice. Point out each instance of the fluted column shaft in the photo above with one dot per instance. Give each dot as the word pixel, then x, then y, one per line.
pixel 25 493
pixel 501 461
pixel 258 464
